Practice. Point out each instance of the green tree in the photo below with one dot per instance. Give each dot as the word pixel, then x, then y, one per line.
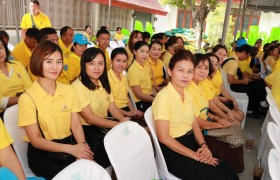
pixel 215 22
pixel 200 10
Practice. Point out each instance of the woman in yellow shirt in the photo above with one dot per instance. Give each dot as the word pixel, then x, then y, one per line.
pixel 134 37
pixel 139 77
pixel 14 79
pixel 170 47
pixel 270 56
pixel 7 156
pixel 157 68
pixel 48 111
pixel 185 151
pixel 96 100
pixel 118 83
pixel 273 81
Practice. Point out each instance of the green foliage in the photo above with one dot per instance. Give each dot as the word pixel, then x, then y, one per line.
pixel 253 34
pixel 264 37
pixel 190 3
pixel 274 34
pixel 215 22
pixel 138 26
pixel 149 28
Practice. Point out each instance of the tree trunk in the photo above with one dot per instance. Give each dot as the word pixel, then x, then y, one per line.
pixel 198 34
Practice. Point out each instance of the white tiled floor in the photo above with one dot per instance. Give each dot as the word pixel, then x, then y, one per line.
pixel 250 156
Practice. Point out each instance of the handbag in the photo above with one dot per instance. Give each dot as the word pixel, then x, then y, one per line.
pixel 232 135
pixel 58 156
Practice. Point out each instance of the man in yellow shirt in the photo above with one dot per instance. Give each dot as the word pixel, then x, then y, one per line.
pixel 103 40
pixel 118 36
pixel 34 19
pixel 65 40
pixel 23 50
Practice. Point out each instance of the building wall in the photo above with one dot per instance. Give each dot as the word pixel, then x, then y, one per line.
pixel 165 23
pixel 268 21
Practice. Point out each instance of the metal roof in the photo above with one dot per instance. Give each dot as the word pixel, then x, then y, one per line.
pixel 264 5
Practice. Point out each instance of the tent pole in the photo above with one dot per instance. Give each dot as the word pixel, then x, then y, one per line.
pixel 237 20
pixel 15 18
pixel 225 27
pixel 243 15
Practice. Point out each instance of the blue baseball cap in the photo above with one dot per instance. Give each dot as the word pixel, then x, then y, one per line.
pixel 241 42
pixel 80 39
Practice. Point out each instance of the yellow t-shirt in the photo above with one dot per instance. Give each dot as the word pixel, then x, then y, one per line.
pixel 157 71
pixel 41 21
pixel 130 56
pixel 118 37
pixel 72 67
pixel 168 106
pixel 54 112
pixel 166 59
pixel 245 66
pixel 99 100
pixel 138 75
pixel 208 89
pixel 274 80
pixel 108 60
pixel 231 67
pixel 231 52
pixel 65 50
pixel 119 89
pixel 6 139
pixel 17 82
pixel 22 53
pixel 217 81
pixel 200 103
pixel 269 61
pixel 276 66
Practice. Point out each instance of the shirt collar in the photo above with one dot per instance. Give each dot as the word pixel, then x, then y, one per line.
pixel 173 92
pixel 138 65
pixel 41 93
pixel 113 76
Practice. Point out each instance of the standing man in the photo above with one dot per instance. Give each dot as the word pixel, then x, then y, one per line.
pixel 103 40
pixel 34 19
pixel 119 36
pixel 65 40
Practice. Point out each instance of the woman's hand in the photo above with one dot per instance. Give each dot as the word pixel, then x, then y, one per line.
pixel 81 151
pixel 230 116
pixel 204 154
pixel 125 119
pixel 235 104
pixel 224 123
pixel 138 113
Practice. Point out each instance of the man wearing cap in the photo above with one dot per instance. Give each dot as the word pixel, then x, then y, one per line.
pixel 103 40
pixel 34 19
pixel 72 64
pixel 65 40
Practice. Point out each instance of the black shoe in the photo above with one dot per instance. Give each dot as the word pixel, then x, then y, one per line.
pixel 262 111
pixel 254 115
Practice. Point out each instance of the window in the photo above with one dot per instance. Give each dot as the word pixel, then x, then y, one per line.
pixel 188 20
pixel 180 19
pixel 245 24
pixel 255 21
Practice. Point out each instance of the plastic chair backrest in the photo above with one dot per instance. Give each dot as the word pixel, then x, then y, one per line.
pixel 130 151
pixel 113 44
pixel 275 114
pixel 17 133
pixel 273 131
pixel 225 80
pixel 274 164
pixel 162 168
pixel 83 169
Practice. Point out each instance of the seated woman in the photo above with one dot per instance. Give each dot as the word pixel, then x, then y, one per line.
pixel 270 57
pixel 170 47
pixel 158 73
pixel 207 120
pixel 273 83
pixel 118 83
pixel 186 154
pixel 48 111
pixel 14 79
pixel 96 100
pixel 7 156
pixel 216 106
pixel 139 77
pixel 134 37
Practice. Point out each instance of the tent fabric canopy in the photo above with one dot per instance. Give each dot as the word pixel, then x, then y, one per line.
pixel 264 5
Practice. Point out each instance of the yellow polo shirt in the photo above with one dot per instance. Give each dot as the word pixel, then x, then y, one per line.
pixel 274 80
pixel 217 81
pixel 200 103
pixel 231 67
pixel 54 112
pixel 119 89
pixel 72 67
pixel 276 66
pixel 6 139
pixel 166 59
pixel 245 66
pixel 269 61
pixel 130 56
pixel 65 50
pixel 99 100
pixel 138 75
pixel 41 21
pixel 17 82
pixel 157 71
pixel 168 106
pixel 22 53
pixel 108 60
pixel 118 37
pixel 208 89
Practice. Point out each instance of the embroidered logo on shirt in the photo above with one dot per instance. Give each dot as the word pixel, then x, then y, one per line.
pixel 65 107
pixel 65 67
pixel 18 75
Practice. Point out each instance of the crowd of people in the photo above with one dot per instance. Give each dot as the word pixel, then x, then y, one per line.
pixel 69 96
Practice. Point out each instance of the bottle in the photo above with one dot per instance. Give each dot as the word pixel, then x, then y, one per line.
pixel 258 170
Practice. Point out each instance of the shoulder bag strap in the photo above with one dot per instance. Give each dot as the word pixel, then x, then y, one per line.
pixel 226 61
pixel 32 20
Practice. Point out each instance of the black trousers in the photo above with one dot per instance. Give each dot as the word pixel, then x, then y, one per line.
pixel 255 90
pixel 143 106
pixel 95 139
pixel 43 165
pixel 189 169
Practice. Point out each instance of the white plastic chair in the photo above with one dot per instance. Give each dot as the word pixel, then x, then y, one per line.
pixel 273 131
pixel 161 165
pixel 274 164
pixel 83 170
pixel 241 98
pixel 17 133
pixel 130 151
pixel 275 113
pixel 113 44
pixel 270 98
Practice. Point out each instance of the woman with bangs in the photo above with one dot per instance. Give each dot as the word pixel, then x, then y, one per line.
pixel 134 37
pixel 185 151
pixel 96 100
pixel 48 112
pixel 157 68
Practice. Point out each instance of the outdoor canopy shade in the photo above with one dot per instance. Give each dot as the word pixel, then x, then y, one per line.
pixel 264 5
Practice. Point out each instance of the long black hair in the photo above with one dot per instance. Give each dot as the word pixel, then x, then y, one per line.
pixel 137 46
pixel 202 57
pixel 6 50
pixel 87 57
